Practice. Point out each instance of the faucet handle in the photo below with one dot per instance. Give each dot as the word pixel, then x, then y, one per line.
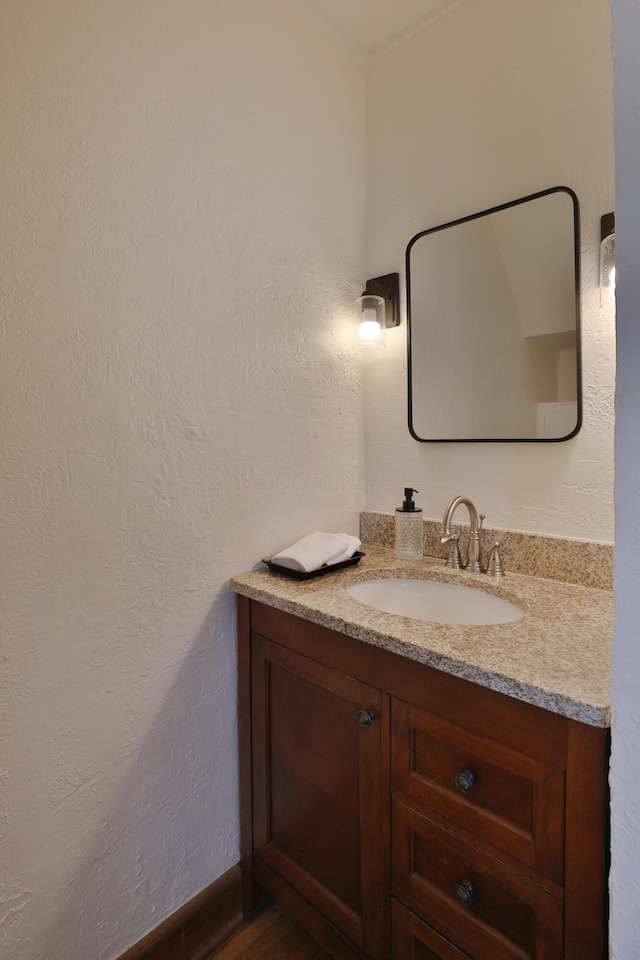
pixel 454 560
pixel 494 562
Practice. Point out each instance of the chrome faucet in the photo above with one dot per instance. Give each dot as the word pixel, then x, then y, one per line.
pixel 474 550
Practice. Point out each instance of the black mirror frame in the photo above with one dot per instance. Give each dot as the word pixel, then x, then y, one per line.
pixel 576 244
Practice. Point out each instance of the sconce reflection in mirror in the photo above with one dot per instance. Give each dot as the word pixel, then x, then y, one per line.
pixel 607 258
pixel 379 309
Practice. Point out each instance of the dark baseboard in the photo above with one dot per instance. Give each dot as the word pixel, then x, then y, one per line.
pixel 199 927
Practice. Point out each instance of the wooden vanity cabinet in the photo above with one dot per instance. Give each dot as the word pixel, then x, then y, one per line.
pixel 400 812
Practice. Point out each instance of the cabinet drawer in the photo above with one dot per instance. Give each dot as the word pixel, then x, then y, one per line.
pixel 415 940
pixel 513 801
pixel 479 904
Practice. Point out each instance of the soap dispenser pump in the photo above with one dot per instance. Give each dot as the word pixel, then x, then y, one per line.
pixel 409 539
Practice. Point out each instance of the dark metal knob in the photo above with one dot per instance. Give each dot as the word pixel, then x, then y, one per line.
pixel 464 893
pixel 464 780
pixel 365 717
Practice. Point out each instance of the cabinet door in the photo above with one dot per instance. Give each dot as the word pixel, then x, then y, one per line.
pixel 318 788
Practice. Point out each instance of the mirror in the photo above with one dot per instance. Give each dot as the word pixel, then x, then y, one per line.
pixel 494 323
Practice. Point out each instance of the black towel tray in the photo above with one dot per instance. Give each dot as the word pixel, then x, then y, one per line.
pixel 304 575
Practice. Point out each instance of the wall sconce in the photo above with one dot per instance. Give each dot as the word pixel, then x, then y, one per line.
pixel 380 308
pixel 607 257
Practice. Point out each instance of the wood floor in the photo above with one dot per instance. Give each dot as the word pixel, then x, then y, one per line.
pixel 274 935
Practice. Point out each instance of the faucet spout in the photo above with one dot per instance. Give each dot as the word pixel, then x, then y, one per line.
pixel 473 550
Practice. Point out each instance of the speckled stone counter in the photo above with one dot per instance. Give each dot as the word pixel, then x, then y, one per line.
pixel 558 656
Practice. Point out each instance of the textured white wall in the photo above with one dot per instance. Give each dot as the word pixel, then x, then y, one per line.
pixel 625 760
pixel 182 239
pixel 495 101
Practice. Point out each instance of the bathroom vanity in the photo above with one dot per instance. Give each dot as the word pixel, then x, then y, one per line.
pixel 426 791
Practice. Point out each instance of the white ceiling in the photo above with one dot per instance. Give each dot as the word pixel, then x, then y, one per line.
pixel 373 26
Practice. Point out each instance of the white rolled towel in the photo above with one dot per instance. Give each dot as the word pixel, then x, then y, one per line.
pixel 317 550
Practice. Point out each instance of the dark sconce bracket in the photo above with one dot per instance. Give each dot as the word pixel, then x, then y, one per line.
pixel 607 225
pixel 387 287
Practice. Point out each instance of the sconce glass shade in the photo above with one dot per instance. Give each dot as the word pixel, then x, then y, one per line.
pixel 607 258
pixel 372 325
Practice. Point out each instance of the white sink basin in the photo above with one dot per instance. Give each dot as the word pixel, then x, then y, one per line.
pixel 436 602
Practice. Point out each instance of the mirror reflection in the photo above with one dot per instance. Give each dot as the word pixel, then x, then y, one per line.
pixel 493 323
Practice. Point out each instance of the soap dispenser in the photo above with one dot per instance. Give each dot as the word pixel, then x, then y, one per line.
pixel 409 541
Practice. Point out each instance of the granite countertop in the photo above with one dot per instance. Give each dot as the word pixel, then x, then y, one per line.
pixel 558 656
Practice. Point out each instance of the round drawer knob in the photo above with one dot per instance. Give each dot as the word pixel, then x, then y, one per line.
pixel 365 718
pixel 464 781
pixel 464 893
